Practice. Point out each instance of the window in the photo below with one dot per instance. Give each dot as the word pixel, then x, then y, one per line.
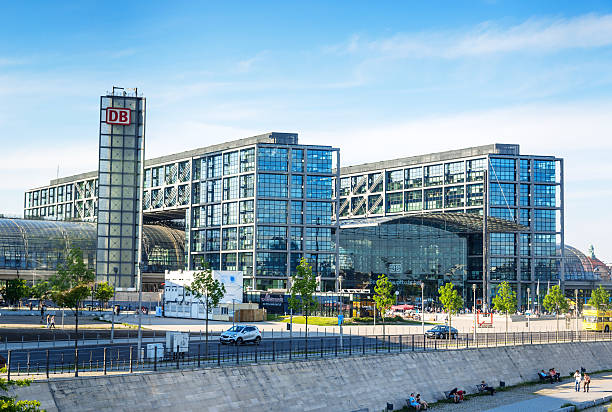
pixel 184 172
pixel 502 169
pixel 319 161
pixel 525 269
pixel 414 177
pixel 297 186
pixel 247 160
pixel 296 213
pixel 454 173
pixel 375 204
pixel 395 180
pixel 544 171
pixel 524 195
pixel 271 185
pixel 345 186
pixel 524 217
pixel 544 195
pixel 272 159
pixel 414 200
pixel 228 262
pixel 230 213
pixel 319 239
pixel 503 213
pixel 215 166
pixel 394 202
pixel 230 188
pixel 475 169
pixel 545 220
pixel 272 211
pixel 246 212
pixel 213 191
pixel 502 244
pixel 170 173
pixel 375 182
pixel 296 238
pixel 358 184
pixel 230 163
pixel 433 175
pixel 502 194
pixel 245 237
pixel 503 269
pixel 214 215
pixel 212 240
pixel 245 263
pixel 433 198
pixel 271 237
pixel 230 238
pixel 271 264
pixel 544 245
pixel 297 160
pixel 453 196
pixel 196 168
pixel 525 170
pixel 247 186
pixel 318 187
pixel 318 213
pixel 525 244
pixel 546 269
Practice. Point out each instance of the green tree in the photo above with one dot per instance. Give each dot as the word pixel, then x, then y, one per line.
pixel 10 403
pixel 505 302
pixel 600 298
pixel 69 289
pixel 383 296
pixel 303 286
pixel 554 301
pixel 14 290
pixel 207 288
pixel 41 290
pixel 104 292
pixel 451 301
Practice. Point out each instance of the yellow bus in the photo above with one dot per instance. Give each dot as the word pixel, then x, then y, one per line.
pixel 593 319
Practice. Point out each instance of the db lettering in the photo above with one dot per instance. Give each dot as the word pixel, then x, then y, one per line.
pixel 118 116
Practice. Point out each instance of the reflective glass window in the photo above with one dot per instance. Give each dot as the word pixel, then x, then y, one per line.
pixel 230 213
pixel 475 169
pixel 375 182
pixel 345 186
pixel 318 187
pixel 247 184
pixel 545 220
pixel 230 188
pixel 272 159
pixel 525 196
pixel 215 166
pixel 502 244
pixel 318 213
pixel 453 196
pixel 230 238
pixel 454 172
pixel 525 244
pixel 246 211
pixel 272 211
pixel 213 241
pixel 414 177
pixel 359 184
pixel 271 185
pixel 245 237
pixel 525 217
pixel 230 163
pixel 271 264
pixel 214 215
pixel 502 169
pixel 544 171
pixel 394 202
pixel 214 192
pixel 247 160
pixel 319 161
pixel 544 195
pixel 297 186
pixel 434 175
pixel 319 239
pixel 296 213
pixel 503 269
pixel 525 170
pixel 296 238
pixel 544 245
pixel 395 180
pixel 271 237
pixel 413 200
pixel 297 160
pixel 502 194
pixel 433 198
pixel 503 213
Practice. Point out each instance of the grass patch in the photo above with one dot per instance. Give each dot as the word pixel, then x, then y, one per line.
pixel 333 321
pixel 566 404
pixel 274 317
pixel 312 320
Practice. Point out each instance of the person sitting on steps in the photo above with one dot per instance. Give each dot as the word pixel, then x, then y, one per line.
pixel 485 387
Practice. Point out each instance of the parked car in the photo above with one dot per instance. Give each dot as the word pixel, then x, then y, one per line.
pixel 240 334
pixel 441 332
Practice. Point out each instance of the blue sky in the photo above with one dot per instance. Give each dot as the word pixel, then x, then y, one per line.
pixel 378 79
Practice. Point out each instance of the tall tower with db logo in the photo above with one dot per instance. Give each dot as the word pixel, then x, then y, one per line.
pixel 122 130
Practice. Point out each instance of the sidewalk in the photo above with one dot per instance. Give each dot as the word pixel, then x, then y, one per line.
pixel 548 399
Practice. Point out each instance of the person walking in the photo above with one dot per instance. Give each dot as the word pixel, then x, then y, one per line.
pixel 52 324
pixel 577 379
pixel 48 321
pixel 587 382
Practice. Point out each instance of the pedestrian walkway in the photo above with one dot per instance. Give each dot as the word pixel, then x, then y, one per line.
pixel 548 399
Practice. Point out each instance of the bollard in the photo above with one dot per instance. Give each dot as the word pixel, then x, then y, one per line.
pixel 256 351
pixel 105 361
pixel 363 345
pixel 389 339
pixel 237 354
pixel 131 359
pixel 218 354
pixel 273 351
pixel 47 365
pixel 199 351
pixel 155 358
pixel 350 345
pixel 178 355
pixel 8 366
pixel 76 362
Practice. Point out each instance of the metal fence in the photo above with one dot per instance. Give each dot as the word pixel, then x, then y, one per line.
pixel 123 358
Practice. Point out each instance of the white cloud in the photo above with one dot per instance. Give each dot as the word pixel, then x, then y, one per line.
pixel 533 35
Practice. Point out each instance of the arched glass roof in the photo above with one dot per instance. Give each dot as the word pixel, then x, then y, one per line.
pixel 42 244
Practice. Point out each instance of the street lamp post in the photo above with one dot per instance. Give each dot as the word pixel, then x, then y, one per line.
pixel 474 308
pixel 528 310
pixel 116 270
pixel 423 308
pixel 576 294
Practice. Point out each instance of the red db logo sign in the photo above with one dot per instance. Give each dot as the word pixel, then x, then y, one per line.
pixel 118 116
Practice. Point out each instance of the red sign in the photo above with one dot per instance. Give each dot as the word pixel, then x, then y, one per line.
pixel 118 116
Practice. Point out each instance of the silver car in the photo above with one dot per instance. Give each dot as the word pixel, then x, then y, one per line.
pixel 240 334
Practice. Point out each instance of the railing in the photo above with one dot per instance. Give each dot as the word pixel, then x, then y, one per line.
pixel 122 358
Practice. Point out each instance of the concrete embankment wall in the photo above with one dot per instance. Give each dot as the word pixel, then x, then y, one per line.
pixel 344 384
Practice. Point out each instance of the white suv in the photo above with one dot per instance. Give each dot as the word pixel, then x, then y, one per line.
pixel 240 334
